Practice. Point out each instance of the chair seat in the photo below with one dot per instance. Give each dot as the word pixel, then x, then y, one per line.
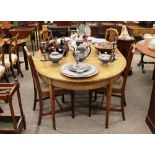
pixel 14 59
pixel 45 90
pixel 21 41
pixel 2 70
pixel 118 83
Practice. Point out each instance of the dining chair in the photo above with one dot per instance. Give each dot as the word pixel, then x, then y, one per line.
pixel 21 41
pixel 3 72
pixel 11 123
pixel 2 66
pixel 46 35
pixel 118 87
pixel 41 91
pixel 111 34
pixel 11 59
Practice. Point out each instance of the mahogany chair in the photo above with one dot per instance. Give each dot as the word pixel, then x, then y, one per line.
pixel 46 35
pixel 2 67
pixel 11 123
pixel 3 73
pixel 11 59
pixel 21 42
pixel 111 34
pixel 41 90
pixel 118 87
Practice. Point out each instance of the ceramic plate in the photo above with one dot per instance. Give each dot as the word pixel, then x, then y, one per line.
pixel 65 70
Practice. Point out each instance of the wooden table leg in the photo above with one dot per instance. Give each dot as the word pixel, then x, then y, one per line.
pixel 108 102
pixel 52 101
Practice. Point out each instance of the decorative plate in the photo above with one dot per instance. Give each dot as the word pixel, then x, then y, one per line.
pixel 89 71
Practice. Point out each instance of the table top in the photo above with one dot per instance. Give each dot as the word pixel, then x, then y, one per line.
pixel 22 29
pixel 138 27
pixel 142 46
pixel 52 71
pixel 33 24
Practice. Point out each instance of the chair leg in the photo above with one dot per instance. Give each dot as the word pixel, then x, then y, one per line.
pixel 1 110
pixel 95 97
pixel 19 69
pixel 63 99
pixel 90 102
pixel 72 104
pixel 6 78
pixel 40 111
pixel 122 106
pixel 21 108
pixel 13 73
pixel 124 101
pixel 35 99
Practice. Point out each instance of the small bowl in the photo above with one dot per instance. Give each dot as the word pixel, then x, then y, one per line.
pixel 104 47
pixel 105 58
pixel 55 57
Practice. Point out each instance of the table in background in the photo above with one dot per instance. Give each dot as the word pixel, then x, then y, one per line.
pixel 107 74
pixel 142 47
pixel 136 30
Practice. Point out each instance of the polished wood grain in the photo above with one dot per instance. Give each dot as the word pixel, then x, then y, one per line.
pixel 107 73
pixel 142 47
pixel 136 30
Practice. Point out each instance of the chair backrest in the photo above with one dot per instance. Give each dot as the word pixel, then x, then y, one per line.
pixel 34 73
pixel 13 48
pixel 2 54
pixel 46 35
pixel 127 69
pixel 111 34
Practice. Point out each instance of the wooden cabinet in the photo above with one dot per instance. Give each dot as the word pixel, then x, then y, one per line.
pixel 150 118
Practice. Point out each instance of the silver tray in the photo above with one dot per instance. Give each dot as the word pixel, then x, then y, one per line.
pixel 83 67
pixel 65 70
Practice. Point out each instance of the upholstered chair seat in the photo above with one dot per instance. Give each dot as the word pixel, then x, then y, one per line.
pixel 2 71
pixel 7 63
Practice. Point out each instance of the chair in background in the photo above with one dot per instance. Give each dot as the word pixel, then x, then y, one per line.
pixel 41 90
pixel 2 67
pixel 11 123
pixel 111 34
pixel 11 59
pixel 118 87
pixel 3 73
pixel 46 35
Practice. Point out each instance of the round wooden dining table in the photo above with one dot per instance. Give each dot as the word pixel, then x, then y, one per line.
pixel 106 75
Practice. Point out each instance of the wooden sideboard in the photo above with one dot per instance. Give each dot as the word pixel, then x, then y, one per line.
pixel 136 30
pixel 150 118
